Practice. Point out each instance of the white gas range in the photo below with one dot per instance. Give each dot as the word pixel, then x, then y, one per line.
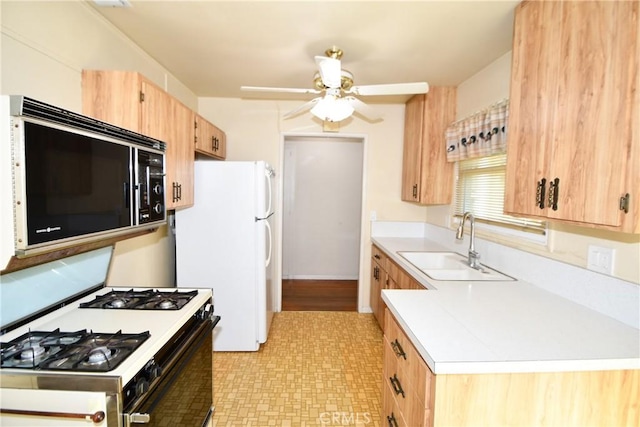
pixel 113 357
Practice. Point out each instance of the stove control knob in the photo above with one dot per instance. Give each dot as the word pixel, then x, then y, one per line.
pixel 154 372
pixel 157 189
pixel 157 208
pixel 142 386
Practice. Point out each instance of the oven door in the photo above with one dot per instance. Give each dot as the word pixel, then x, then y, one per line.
pixel 184 395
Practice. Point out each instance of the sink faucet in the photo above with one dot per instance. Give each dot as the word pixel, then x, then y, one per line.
pixel 474 257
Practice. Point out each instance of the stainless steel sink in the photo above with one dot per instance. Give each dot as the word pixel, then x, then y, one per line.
pixel 451 266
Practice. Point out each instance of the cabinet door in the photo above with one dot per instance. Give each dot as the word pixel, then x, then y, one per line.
pixel 412 155
pixel 572 106
pixel 436 174
pixel 377 274
pixel 220 143
pixel 182 153
pixel 210 140
pixel 113 97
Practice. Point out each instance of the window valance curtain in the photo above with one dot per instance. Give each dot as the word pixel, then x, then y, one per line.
pixel 479 135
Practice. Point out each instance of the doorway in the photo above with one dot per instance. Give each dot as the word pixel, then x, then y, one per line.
pixel 322 213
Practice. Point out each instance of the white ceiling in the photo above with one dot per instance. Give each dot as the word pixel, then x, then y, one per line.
pixel 214 47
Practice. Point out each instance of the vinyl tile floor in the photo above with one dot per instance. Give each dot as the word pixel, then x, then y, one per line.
pixel 317 368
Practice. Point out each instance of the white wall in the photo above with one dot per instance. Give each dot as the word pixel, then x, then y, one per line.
pixel 567 243
pixel 45 46
pixel 322 208
pixel 255 131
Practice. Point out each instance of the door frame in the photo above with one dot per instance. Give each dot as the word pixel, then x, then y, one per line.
pixel 363 306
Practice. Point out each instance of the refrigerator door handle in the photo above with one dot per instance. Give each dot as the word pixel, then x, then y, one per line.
pixel 268 261
pixel 268 175
pixel 264 218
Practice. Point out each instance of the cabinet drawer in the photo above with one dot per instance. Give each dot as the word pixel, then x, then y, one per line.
pixel 409 361
pixel 391 415
pixel 379 256
pixel 401 386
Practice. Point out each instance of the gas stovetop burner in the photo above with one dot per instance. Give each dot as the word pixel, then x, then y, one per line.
pixel 70 351
pixel 100 355
pixel 151 299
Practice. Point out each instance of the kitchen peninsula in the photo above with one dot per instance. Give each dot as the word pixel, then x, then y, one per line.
pixel 502 353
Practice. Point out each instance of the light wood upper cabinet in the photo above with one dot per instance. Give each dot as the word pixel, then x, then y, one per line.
pixel 427 177
pixel 209 139
pixel 127 99
pixel 574 127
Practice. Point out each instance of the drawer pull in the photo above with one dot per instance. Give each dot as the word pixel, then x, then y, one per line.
pixel 376 256
pixel 391 419
pixel 395 383
pixel 398 350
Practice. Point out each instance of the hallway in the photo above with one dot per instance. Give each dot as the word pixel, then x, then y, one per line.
pixel 319 295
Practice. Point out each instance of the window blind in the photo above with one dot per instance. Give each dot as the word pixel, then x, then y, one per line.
pixel 480 190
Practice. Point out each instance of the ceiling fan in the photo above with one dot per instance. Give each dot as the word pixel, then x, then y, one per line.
pixel 339 94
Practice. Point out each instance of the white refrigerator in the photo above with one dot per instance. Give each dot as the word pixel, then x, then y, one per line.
pixel 225 242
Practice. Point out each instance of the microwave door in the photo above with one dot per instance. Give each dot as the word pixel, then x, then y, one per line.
pixel 75 185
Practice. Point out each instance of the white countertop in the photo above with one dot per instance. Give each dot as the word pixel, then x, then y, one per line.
pixel 498 327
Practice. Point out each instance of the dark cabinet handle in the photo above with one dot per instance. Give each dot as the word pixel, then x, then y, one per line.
pixel 415 191
pixel 376 273
pixel 177 192
pixel 398 350
pixel 391 419
pixel 624 203
pixel 540 190
pixel 376 256
pixel 554 189
pixel 395 383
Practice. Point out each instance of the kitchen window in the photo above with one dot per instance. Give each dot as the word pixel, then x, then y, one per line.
pixel 480 187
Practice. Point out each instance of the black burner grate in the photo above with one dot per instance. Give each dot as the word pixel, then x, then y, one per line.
pixel 70 351
pixel 151 299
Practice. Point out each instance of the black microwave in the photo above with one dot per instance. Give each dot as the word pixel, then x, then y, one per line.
pixel 77 179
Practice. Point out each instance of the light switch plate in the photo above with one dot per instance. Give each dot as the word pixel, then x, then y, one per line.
pixel 600 259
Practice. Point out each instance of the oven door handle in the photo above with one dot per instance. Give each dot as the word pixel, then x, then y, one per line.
pixel 138 418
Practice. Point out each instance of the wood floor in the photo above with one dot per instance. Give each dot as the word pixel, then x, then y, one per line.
pixel 319 295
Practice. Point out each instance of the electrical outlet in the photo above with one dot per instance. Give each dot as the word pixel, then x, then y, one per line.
pixel 600 259
pixel 373 215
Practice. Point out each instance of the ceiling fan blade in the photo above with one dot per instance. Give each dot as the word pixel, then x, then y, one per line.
pixel 303 108
pixel 330 71
pixel 391 89
pixel 277 89
pixel 363 109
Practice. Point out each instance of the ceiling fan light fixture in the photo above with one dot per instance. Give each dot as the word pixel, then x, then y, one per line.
pixel 332 109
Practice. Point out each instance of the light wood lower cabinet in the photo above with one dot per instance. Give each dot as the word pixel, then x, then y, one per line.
pixel 407 377
pixel 386 274
pixel 590 398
